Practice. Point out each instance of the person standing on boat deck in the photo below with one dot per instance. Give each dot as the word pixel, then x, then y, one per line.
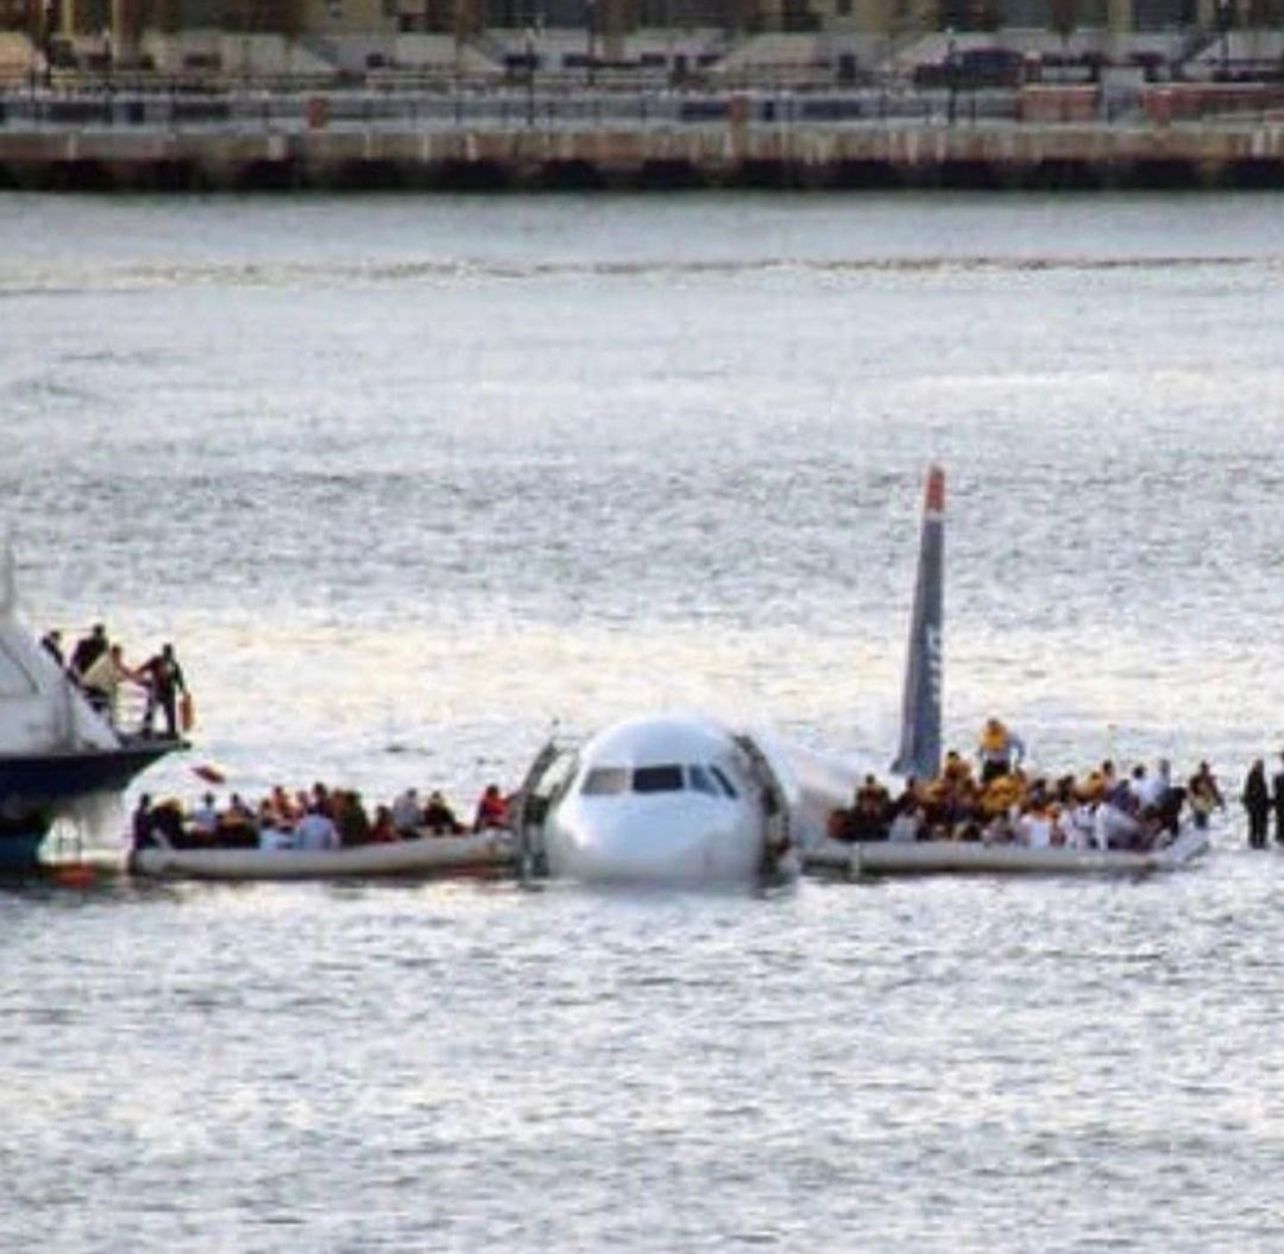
pixel 102 681
pixel 1277 801
pixel 999 750
pixel 141 823
pixel 164 682
pixel 88 650
pixel 1204 795
pixel 1257 802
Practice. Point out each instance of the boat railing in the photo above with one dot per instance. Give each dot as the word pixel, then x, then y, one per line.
pixel 127 713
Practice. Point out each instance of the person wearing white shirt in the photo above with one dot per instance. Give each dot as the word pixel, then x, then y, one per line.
pixel 205 816
pixel 273 837
pixel 316 831
pixel 1114 828
pixel 1034 829
pixel 1154 790
pixel 1079 827
pixel 407 813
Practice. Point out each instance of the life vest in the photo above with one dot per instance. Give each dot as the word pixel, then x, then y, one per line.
pixel 994 740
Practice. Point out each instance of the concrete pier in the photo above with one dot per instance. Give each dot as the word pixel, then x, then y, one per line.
pixel 984 155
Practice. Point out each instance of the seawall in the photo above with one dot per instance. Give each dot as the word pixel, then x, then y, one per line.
pixel 995 155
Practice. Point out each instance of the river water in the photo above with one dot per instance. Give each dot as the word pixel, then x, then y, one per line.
pixel 410 480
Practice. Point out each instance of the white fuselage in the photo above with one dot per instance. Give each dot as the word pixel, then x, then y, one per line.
pixel 667 800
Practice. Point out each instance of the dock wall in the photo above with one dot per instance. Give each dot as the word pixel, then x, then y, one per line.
pixel 981 156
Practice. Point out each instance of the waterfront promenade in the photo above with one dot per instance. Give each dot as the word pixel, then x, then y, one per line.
pixel 514 139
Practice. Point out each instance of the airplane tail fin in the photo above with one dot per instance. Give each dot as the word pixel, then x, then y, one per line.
pixel 920 751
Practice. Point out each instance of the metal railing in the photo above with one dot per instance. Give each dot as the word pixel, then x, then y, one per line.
pixel 560 107
pixel 498 109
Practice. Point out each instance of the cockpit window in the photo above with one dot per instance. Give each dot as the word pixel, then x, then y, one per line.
pixel 604 780
pixel 727 786
pixel 657 779
pixel 701 782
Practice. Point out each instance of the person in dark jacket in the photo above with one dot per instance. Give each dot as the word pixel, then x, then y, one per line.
pixel 141 824
pixel 164 678
pixel 1277 801
pixel 1257 802
pixel 88 650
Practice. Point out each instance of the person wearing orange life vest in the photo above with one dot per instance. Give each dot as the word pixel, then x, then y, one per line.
pixel 492 810
pixel 999 750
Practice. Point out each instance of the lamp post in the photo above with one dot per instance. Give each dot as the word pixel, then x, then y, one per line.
pixel 951 76
pixel 530 76
pixel 1225 13
pixel 34 14
pixel 46 39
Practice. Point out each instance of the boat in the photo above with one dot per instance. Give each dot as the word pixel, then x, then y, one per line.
pixel 421 856
pixel 56 750
pixel 933 857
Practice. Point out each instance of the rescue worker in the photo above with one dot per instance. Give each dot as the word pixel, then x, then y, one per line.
pixel 999 750
pixel 165 681
pixel 88 650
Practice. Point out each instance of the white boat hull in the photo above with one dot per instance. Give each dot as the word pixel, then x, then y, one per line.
pixel 935 857
pixel 426 856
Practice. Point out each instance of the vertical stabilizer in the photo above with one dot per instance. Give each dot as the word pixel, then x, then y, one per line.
pixel 920 751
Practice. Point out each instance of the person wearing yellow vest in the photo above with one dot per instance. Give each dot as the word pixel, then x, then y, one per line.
pixel 999 750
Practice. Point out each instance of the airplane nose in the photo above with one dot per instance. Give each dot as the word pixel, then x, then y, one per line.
pixel 650 849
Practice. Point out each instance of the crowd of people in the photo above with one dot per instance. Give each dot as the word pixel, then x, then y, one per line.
pixel 321 817
pixel 1000 801
pixel 97 666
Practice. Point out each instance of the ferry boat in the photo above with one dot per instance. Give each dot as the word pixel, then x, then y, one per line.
pixel 56 750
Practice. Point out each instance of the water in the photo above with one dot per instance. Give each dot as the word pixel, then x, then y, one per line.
pixel 409 479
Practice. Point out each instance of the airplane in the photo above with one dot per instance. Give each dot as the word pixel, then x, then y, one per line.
pixel 679 798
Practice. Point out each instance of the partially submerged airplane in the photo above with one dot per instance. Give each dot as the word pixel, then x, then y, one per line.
pixel 679 798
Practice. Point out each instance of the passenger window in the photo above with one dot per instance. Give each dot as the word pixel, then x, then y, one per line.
pixel 603 781
pixel 701 782
pixel 727 786
pixel 657 779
